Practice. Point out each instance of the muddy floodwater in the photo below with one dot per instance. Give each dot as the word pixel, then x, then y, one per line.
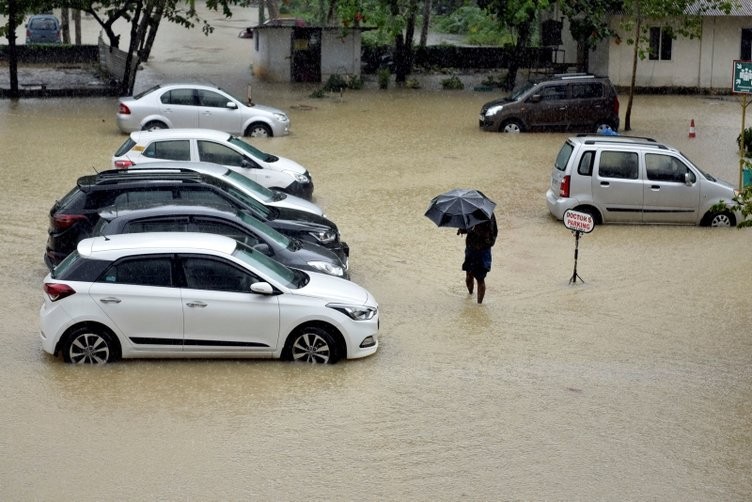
pixel 633 385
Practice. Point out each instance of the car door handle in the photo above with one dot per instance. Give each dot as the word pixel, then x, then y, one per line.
pixel 605 184
pixel 110 299
pixel 655 187
pixel 196 304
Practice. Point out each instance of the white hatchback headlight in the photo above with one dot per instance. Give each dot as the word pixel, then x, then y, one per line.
pixel 281 117
pixel 354 312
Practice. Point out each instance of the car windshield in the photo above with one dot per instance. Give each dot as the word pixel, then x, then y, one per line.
pixel 267 231
pixel 264 212
pixel 271 269
pixel 260 191
pixel 147 91
pixel 563 157
pixel 66 264
pixel 707 175
pixel 517 93
pixel 255 152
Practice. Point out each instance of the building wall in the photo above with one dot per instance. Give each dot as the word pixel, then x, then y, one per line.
pixel 695 63
pixel 340 55
pixel 270 55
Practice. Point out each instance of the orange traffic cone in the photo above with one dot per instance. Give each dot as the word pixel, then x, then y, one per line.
pixel 692 129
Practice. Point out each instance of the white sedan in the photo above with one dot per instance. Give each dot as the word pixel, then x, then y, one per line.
pixel 194 105
pixel 198 295
pixel 206 145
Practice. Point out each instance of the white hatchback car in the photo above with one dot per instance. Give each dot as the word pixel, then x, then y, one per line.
pixel 205 145
pixel 195 105
pixel 163 295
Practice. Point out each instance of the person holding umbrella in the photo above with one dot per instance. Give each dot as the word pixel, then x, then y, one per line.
pixel 472 213
pixel 478 243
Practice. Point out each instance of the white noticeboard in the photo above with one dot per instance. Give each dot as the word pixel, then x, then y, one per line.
pixel 578 221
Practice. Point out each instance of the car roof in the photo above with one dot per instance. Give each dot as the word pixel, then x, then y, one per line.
pixel 630 141
pixel 112 247
pixel 142 209
pixel 179 133
pixel 209 168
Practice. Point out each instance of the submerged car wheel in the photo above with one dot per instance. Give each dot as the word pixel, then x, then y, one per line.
pixel 90 346
pixel 723 219
pixel 511 126
pixel 259 131
pixel 313 345
pixel 154 125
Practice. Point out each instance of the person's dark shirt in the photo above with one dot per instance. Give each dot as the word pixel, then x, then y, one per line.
pixel 483 235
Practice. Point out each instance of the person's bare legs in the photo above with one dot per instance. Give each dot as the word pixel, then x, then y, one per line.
pixel 481 290
pixel 469 282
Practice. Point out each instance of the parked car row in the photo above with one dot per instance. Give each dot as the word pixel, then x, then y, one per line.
pixel 174 258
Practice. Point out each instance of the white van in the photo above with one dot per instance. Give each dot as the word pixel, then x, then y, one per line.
pixel 208 145
pixel 622 179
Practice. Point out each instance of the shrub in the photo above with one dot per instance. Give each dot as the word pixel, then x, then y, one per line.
pixel 384 75
pixel 452 83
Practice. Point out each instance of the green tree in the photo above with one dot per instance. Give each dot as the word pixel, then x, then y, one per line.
pixel 519 16
pixel 588 24
pixel 641 15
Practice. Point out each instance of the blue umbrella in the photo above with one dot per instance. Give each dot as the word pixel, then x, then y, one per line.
pixel 460 208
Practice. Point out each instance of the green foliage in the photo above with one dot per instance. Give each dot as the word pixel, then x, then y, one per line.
pixel 747 141
pixel 384 76
pixel 478 25
pixel 742 203
pixel 452 83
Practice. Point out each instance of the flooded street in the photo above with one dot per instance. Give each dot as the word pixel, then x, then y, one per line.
pixel 633 385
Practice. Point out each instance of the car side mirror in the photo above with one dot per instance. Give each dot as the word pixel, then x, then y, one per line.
pixel 262 288
pixel 231 105
pixel 263 248
pixel 535 98
pixel 687 179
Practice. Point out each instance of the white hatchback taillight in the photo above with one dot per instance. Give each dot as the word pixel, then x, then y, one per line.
pixel 564 187
pixel 123 110
pixel 57 291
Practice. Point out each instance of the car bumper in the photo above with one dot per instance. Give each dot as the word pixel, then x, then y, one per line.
pixel 363 339
pixel 302 190
pixel 557 206
pixel 126 123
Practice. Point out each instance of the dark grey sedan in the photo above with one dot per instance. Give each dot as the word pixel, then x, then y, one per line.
pixel 238 224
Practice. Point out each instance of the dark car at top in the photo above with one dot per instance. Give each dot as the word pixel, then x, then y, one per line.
pixel 568 101
pixel 235 223
pixel 73 217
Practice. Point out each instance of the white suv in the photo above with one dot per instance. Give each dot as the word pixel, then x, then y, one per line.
pixel 206 145
pixel 198 295
pixel 622 179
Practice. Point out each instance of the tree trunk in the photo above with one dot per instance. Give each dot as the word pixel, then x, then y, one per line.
pixel 77 25
pixel 523 34
pixel 635 55
pixel 426 23
pixel 131 59
pixel 12 55
pixel 148 27
pixel 65 24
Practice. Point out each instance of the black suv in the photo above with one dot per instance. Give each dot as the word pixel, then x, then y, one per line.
pixel 574 101
pixel 73 217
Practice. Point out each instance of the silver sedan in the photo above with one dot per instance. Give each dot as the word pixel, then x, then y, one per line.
pixel 193 105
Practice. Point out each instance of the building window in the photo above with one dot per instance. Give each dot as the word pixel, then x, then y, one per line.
pixel 746 53
pixel 660 43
